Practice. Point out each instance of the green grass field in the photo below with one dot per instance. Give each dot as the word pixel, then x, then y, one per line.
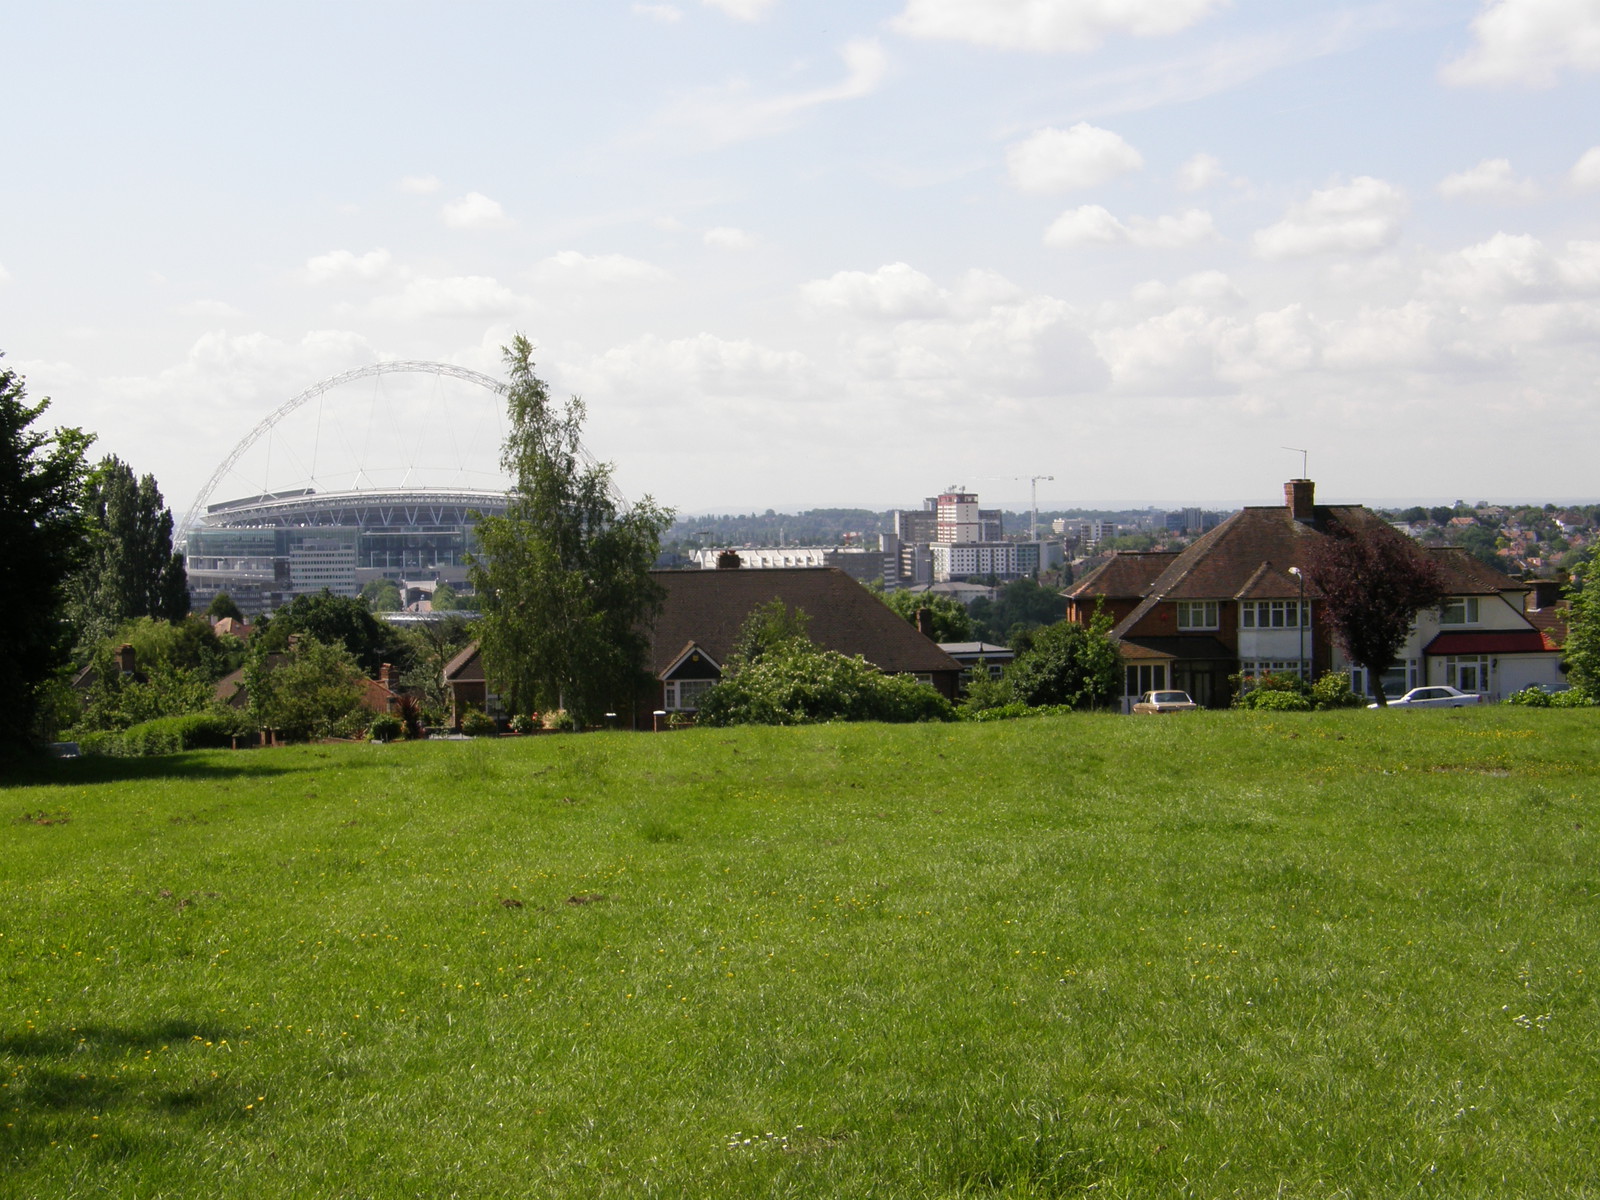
pixel 1230 954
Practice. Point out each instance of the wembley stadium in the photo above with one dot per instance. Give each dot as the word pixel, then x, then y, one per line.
pixel 335 495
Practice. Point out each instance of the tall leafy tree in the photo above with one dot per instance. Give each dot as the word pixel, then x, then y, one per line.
pixel 41 527
pixel 951 623
pixel 1372 582
pixel 563 577
pixel 131 569
pixel 1582 649
pixel 1067 663
pixel 339 621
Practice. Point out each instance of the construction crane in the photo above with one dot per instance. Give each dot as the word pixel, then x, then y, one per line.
pixel 1033 481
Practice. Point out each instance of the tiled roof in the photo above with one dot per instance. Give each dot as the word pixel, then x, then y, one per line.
pixel 1219 564
pixel 1467 576
pixel 1125 575
pixel 1491 641
pixel 1552 622
pixel 1269 583
pixel 708 607
pixel 465 667
pixel 1187 648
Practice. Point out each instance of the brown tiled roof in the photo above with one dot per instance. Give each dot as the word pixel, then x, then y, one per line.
pixel 1127 574
pixel 465 667
pixel 1188 649
pixel 1269 583
pixel 1218 565
pixel 708 607
pixel 1467 576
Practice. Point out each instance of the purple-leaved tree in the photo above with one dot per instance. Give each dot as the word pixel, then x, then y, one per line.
pixel 1372 582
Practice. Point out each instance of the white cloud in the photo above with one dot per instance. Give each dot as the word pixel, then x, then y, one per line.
pixel 731 113
pixel 338 265
pixel 895 290
pixel 419 185
pixel 667 14
pixel 1047 25
pixel 450 296
pixel 474 211
pixel 208 310
pixel 570 266
pixel 1091 224
pixel 1360 216
pixel 1059 160
pixel 741 10
pixel 1586 171
pixel 652 368
pixel 726 237
pixel 1529 42
pixel 1514 267
pixel 1492 179
pixel 1200 172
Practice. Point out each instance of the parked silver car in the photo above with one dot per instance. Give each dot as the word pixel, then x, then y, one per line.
pixel 1437 696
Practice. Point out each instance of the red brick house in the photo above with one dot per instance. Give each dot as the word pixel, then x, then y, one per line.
pixel 1231 603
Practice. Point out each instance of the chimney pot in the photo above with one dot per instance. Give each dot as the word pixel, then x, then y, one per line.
pixel 925 622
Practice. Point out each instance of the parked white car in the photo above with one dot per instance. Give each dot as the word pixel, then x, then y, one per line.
pixel 1437 696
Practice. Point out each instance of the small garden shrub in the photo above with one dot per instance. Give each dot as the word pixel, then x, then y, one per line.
pixel 386 728
pixel 522 723
pixel 1279 701
pixel 478 723
pixel 165 735
pixel 1333 691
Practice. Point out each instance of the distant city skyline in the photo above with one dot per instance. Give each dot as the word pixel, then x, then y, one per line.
pixel 837 254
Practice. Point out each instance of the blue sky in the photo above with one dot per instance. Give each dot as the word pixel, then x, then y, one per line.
pixel 810 254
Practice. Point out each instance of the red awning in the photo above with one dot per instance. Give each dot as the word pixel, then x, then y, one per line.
pixel 1492 641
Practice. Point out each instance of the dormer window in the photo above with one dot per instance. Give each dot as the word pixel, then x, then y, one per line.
pixel 1459 610
pixel 1197 614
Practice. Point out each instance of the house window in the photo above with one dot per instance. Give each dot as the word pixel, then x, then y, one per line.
pixel 1468 673
pixel 1197 614
pixel 1397 680
pixel 1145 677
pixel 1459 610
pixel 683 695
pixel 1255 668
pixel 1273 614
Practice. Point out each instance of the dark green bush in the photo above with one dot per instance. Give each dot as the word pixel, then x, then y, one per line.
pixel 478 723
pixel 798 684
pixel 386 728
pixel 1533 696
pixel 1279 701
pixel 1333 691
pixel 165 735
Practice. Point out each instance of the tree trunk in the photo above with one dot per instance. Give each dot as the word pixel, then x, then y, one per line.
pixel 1375 683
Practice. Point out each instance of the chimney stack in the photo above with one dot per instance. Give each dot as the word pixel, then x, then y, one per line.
pixel 1299 498
pixel 126 658
pixel 925 622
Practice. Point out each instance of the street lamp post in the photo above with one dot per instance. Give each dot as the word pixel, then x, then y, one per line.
pixel 1300 619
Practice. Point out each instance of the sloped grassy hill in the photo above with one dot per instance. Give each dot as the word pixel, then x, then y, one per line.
pixel 1230 954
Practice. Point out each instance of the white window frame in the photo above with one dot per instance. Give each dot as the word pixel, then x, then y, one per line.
pixel 1481 664
pixel 1139 678
pixel 683 695
pixel 1199 614
pixel 1273 614
pixel 1255 668
pixel 1459 610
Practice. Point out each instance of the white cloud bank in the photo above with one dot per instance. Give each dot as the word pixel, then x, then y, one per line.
pixel 742 10
pixel 1530 43
pixel 726 237
pixel 474 211
pixel 1060 160
pixel 1047 25
pixel 731 113
pixel 1492 179
pixel 1091 225
pixel 572 267
pixel 450 296
pixel 1586 171
pixel 338 266
pixel 1358 217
